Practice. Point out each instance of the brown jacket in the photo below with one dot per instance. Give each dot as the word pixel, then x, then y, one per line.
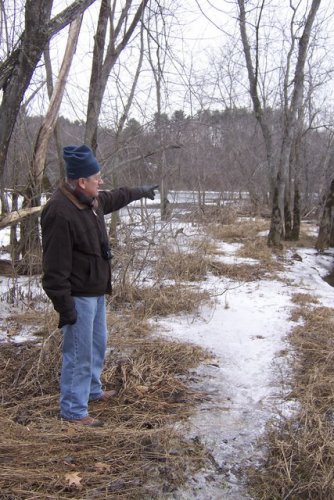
pixel 72 235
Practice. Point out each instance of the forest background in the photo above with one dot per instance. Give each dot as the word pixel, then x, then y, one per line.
pixel 233 96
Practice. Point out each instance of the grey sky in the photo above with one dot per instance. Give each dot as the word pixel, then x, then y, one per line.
pixel 206 67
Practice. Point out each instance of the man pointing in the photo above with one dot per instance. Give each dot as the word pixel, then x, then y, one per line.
pixel 77 275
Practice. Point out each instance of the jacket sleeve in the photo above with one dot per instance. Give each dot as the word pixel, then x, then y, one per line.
pixel 115 199
pixel 57 261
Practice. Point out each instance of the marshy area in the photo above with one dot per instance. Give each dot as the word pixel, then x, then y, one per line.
pixel 205 322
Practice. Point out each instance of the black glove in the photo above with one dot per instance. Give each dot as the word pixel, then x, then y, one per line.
pixel 68 318
pixel 148 191
pixel 64 305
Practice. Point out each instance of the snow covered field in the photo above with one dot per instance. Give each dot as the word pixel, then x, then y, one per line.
pixel 246 331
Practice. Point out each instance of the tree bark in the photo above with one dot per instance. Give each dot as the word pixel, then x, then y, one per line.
pixel 56 132
pixel 292 111
pixel 49 122
pixel 253 88
pixel 30 242
pixel 275 231
pixel 101 68
pixel 295 232
pixel 17 70
pixel 326 223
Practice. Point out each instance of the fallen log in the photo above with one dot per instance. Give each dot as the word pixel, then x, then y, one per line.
pixel 18 215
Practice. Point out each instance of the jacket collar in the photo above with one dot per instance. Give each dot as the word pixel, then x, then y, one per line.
pixel 78 199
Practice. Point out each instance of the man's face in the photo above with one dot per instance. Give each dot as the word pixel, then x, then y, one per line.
pixel 90 185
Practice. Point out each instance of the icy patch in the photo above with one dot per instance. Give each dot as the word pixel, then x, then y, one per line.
pixel 246 333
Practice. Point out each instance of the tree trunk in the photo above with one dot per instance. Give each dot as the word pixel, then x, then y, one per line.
pixel 101 68
pixel 295 232
pixel 49 122
pixel 291 109
pixel 30 242
pixel 325 226
pixel 14 244
pixel 287 213
pixel 56 132
pixel 165 209
pixel 17 70
pixel 254 93
pixel 276 226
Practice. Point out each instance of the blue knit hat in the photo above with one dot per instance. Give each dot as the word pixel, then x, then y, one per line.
pixel 80 162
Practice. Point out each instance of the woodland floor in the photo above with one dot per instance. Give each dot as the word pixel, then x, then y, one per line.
pixel 144 450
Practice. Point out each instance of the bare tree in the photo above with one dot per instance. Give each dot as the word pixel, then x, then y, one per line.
pixel 113 170
pixel 121 30
pixel 293 102
pixel 17 68
pixel 50 88
pixel 326 228
pixel 29 242
pixel 157 53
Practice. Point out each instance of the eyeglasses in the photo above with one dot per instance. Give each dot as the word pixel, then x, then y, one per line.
pixel 96 178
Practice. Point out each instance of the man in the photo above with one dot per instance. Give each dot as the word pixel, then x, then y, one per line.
pixel 77 274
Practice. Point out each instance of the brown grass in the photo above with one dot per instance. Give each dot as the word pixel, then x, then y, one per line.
pixel 300 459
pixel 179 266
pixel 139 453
pixel 304 299
pixel 237 231
pixel 204 246
pixel 256 248
pixel 223 215
pixel 244 272
pixel 161 300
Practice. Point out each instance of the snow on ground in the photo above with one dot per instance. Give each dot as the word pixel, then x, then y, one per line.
pixel 246 332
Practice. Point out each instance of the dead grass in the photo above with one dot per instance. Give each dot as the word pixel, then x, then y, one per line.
pixel 304 299
pixel 38 323
pixel 244 272
pixel 237 231
pixel 139 453
pixel 161 300
pixel 173 299
pixel 300 459
pixel 180 266
pixel 204 246
pixel 257 248
pixel 222 214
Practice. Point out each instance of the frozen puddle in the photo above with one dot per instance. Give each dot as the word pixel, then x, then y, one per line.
pixel 245 331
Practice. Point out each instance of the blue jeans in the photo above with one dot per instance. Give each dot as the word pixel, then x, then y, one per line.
pixel 84 349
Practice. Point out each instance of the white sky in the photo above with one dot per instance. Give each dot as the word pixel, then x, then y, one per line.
pixel 191 37
pixel 199 43
pixel 200 49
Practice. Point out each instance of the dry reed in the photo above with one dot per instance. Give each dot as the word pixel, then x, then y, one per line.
pixel 243 272
pixel 180 266
pixel 161 300
pixel 138 453
pixel 299 462
pixel 248 229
